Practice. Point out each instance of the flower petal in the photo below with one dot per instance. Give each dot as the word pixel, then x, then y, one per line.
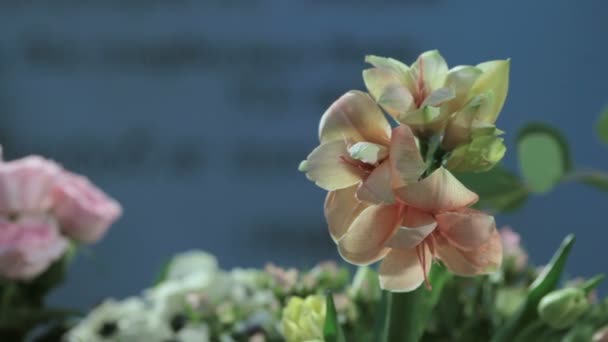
pixel 377 187
pixel 415 227
pixel 484 260
pixel 354 117
pixel 341 209
pixel 467 229
pixel 401 271
pixel 495 78
pixel 325 166
pixel 363 244
pixel 439 96
pixel 461 79
pixel 432 68
pixel 438 192
pixel 405 156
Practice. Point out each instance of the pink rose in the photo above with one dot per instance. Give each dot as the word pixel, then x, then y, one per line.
pixel 84 212
pixel 25 185
pixel 29 245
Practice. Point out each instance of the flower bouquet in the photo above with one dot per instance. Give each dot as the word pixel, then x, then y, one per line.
pixel 413 174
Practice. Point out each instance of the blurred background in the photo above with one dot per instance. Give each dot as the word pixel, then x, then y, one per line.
pixel 195 115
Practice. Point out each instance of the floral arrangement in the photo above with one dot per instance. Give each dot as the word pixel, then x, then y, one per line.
pixel 413 174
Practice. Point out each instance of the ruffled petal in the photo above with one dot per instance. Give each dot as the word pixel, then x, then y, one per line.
pixel 364 242
pixel 438 192
pixel 484 260
pixel 461 79
pixel 466 229
pixel 405 157
pixel 354 117
pixel 326 166
pixel 377 187
pixel 401 270
pixel 341 209
pixel 415 227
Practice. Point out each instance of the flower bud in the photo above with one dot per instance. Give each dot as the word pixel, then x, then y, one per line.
pixel 481 154
pixel 303 319
pixel 560 309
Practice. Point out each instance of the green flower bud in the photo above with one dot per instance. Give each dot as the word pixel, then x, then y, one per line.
pixel 481 154
pixel 303 319
pixel 561 308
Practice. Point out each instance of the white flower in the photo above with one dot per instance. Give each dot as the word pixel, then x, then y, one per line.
pixel 113 320
pixel 184 264
pixel 198 333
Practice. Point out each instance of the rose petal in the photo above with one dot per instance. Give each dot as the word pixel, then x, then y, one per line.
pixel 438 192
pixel 415 227
pixel 467 229
pixel 484 260
pixel 354 117
pixel 25 184
pixel 29 245
pixel 341 209
pixel 377 187
pixel 401 270
pixel 363 244
pixel 326 167
pixel 405 157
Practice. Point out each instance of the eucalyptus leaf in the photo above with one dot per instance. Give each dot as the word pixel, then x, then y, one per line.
pixel 543 156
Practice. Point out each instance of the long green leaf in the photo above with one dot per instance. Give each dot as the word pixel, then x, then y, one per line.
pixel 332 331
pixel 546 282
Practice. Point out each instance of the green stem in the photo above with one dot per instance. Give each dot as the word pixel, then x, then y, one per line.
pixel 409 312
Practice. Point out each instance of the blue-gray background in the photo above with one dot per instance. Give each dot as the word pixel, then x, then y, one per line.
pixel 195 114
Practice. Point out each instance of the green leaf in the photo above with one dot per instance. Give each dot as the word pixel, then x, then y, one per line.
pixel 592 283
pixel 543 156
pixel 498 189
pixel 546 282
pixel 409 312
pixel 601 126
pixel 332 331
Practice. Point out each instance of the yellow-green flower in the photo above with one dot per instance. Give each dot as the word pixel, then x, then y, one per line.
pixel 426 95
pixel 303 319
pixel 481 154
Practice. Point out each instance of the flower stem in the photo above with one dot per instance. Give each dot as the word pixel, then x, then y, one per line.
pixel 409 312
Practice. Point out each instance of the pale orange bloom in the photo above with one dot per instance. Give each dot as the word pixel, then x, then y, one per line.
pixel 379 208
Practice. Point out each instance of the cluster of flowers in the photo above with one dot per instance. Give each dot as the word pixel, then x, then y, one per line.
pixel 44 207
pixel 198 301
pixel 391 196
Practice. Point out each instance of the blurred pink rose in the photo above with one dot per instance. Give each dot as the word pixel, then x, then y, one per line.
pixel 84 211
pixel 25 185
pixel 29 245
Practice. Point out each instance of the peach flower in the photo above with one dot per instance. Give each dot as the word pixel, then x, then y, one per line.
pixel 378 207
pixel 84 211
